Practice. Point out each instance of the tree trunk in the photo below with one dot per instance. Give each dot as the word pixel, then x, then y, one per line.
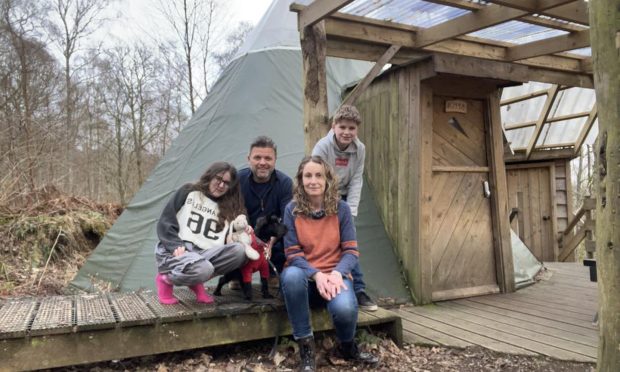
pixel 605 40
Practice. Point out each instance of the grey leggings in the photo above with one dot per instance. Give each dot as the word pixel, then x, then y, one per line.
pixel 199 265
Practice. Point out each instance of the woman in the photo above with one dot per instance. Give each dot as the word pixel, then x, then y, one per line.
pixel 193 230
pixel 321 250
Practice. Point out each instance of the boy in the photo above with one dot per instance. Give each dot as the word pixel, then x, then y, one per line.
pixel 345 152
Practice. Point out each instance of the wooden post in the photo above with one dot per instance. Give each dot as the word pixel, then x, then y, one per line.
pixel 314 82
pixel 499 207
pixel 605 41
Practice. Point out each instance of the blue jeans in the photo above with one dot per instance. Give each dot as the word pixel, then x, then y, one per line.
pixel 358 279
pixel 300 294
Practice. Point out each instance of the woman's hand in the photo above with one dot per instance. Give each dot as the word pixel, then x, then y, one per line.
pixel 249 230
pixel 327 290
pixel 335 277
pixel 178 251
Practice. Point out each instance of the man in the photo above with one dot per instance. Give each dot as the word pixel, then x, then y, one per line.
pixel 266 191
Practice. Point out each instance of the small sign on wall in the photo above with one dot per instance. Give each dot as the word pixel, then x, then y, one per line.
pixel 456 105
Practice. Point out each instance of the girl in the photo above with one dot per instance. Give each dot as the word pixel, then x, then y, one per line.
pixel 193 230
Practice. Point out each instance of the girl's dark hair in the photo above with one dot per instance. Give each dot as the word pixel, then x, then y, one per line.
pixel 231 203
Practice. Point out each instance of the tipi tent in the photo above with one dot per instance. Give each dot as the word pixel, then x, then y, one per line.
pixel 259 93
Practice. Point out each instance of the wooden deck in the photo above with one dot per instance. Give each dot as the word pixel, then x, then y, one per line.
pixel 552 317
pixel 59 331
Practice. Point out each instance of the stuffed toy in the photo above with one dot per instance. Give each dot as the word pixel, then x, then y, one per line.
pixel 238 234
pixel 267 228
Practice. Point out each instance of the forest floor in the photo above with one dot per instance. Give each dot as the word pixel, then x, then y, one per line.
pixel 47 236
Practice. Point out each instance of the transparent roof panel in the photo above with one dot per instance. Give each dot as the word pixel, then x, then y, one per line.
pixel 517 32
pixel 521 112
pixel 412 12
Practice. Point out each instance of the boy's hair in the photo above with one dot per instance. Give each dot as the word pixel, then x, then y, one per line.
pixel 348 112
pixel 264 142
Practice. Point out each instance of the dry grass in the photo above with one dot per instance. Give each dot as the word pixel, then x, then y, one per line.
pixel 46 238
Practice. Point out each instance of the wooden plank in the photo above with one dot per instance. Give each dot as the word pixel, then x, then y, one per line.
pixel 15 317
pixel 524 330
pixel 588 336
pixel 550 45
pixel 93 311
pixel 455 330
pixel 499 333
pixel 417 326
pixel 120 343
pixel 469 66
pixel 465 169
pixel 486 17
pixel 370 52
pixel 131 309
pixel 372 74
pixel 554 119
pixel 317 10
pixel 542 118
pixel 54 315
pixel 413 337
pixel 465 292
pixel 166 313
pixel 535 309
pixel 422 206
pixel 499 196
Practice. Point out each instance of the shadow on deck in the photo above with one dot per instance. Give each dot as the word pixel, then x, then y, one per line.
pixel 59 331
pixel 552 317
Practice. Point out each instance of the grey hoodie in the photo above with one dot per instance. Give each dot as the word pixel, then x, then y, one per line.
pixel 348 164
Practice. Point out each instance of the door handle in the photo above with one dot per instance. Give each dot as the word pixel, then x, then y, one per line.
pixel 486 189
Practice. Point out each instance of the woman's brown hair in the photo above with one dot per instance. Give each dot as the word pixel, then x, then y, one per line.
pixel 231 203
pixel 330 197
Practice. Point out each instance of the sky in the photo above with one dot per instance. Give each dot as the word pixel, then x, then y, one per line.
pixel 137 19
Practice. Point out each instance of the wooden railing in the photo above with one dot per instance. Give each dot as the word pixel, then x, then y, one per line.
pixel 570 238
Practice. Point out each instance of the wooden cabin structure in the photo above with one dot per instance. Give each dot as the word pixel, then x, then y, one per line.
pixel 435 142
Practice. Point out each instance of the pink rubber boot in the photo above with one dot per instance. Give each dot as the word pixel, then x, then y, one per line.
pixel 201 294
pixel 165 290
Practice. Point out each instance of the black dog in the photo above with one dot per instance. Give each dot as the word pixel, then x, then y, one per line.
pixel 266 227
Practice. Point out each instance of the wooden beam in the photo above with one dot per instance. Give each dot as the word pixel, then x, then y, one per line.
pixel 317 10
pixel 576 12
pixel 519 155
pixel 488 16
pixel 548 46
pixel 314 81
pixel 369 52
pixel 586 129
pixel 372 74
pixel 551 94
pixel 504 265
pixel 534 20
pixel 468 66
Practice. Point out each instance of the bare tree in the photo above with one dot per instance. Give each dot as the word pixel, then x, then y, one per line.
pixel 76 20
pixel 233 42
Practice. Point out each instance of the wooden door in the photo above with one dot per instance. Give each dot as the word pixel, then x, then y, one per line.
pixel 530 190
pixel 462 250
